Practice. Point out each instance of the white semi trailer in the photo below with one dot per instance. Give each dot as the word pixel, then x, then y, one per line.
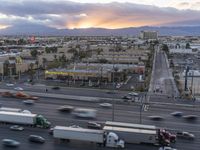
pixel 135 136
pixel 23 118
pixel 101 137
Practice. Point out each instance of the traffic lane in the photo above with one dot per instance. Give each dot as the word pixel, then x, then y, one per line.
pixel 118 116
pixel 70 91
pixel 53 144
pixel 125 113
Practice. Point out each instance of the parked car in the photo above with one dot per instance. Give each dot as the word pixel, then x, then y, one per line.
pixel 177 114
pixel 36 139
pixel 156 118
pixel 56 88
pixel 18 89
pixel 66 108
pixel 10 143
pixel 167 148
pixel 106 105
pixel 29 102
pixel 94 125
pixel 16 128
pixel 185 135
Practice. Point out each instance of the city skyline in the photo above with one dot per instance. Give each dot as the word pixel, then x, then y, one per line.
pixel 109 14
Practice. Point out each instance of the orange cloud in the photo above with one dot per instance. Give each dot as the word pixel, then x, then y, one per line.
pixel 3 26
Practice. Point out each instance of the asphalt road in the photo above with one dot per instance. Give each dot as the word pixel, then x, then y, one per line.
pixel 123 112
pixel 163 82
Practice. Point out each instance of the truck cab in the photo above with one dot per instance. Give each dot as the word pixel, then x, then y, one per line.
pixel 42 122
pixel 113 140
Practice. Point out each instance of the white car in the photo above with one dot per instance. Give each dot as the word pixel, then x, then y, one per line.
pixel 166 148
pixel 133 94
pixel 26 112
pixel 9 84
pixel 19 89
pixel 29 102
pixel 106 105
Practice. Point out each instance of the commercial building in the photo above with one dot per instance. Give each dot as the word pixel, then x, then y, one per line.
pixel 149 35
pixel 95 72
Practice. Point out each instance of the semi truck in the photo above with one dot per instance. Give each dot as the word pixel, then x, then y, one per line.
pixel 24 118
pixel 137 133
pixel 100 137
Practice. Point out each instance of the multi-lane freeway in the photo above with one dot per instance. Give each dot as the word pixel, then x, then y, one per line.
pixel 123 112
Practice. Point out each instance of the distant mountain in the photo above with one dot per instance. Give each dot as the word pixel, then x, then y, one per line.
pixel 30 29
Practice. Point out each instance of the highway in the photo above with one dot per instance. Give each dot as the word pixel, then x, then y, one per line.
pixel 123 112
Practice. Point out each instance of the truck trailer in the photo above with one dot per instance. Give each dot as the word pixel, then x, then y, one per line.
pixel 135 136
pixel 23 118
pixel 108 139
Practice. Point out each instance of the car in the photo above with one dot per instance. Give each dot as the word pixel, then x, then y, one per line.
pixel 16 128
pixel 190 117
pixel 9 84
pixel 133 94
pixel 127 97
pixel 66 108
pixel 29 102
pixel 26 112
pixel 167 148
pixel 94 125
pixel 18 89
pixel 10 143
pixel 36 139
pixel 56 88
pixel 185 135
pixel 110 92
pixel 177 114
pixel 106 105
pixel 156 118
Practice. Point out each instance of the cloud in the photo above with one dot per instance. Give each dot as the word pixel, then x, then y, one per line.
pixel 66 14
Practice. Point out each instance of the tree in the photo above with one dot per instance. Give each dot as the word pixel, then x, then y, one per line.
pixel 31 71
pixel 187 46
pixel 34 53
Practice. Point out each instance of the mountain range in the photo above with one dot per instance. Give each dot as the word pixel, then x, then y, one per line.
pixel 131 31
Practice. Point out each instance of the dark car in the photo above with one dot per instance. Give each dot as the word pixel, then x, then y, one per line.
pixel 185 135
pixel 66 108
pixel 177 114
pixel 94 125
pixel 56 88
pixel 126 97
pixel 10 143
pixel 190 117
pixel 36 139
pixel 156 118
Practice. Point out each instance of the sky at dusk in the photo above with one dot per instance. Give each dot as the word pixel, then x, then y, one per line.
pixel 110 14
